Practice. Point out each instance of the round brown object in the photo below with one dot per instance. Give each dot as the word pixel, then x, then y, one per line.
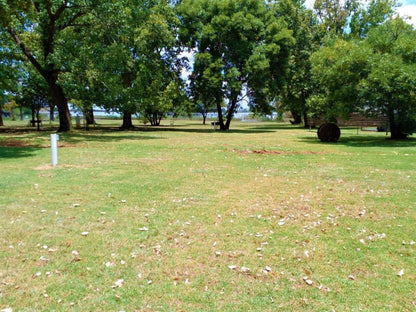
pixel 329 132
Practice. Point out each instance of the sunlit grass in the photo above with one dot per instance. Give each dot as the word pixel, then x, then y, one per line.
pixel 182 218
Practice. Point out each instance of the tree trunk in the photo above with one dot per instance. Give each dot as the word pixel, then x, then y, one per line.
pixel 1 118
pixel 127 121
pixel 37 119
pixel 59 99
pixel 230 113
pixel 305 120
pixel 219 110
pixel 89 116
pixel 297 118
pixel 52 113
pixel 396 131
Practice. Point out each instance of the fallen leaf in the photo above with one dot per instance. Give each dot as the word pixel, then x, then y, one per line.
pixel 351 277
pixel 307 281
pixel 118 283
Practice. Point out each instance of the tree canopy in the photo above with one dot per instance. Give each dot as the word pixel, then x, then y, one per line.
pixel 241 52
pixel 127 55
pixel 374 76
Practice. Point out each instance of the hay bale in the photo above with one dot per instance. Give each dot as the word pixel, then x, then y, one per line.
pixel 329 132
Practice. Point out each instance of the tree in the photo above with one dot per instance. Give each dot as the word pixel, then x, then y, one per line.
pixel 9 73
pixel 376 76
pixel 367 17
pixel 334 14
pixel 43 30
pixel 299 84
pixel 241 51
pixel 33 94
pixel 137 40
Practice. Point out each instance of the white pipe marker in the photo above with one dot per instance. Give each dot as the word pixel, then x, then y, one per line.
pixel 54 148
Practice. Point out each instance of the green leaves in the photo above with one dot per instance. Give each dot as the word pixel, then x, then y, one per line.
pixel 375 75
pixel 240 45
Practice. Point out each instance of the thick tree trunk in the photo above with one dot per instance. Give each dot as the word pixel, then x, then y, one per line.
pixel 396 131
pixel 230 114
pixel 1 118
pixel 127 121
pixel 59 99
pixel 297 118
pixel 220 117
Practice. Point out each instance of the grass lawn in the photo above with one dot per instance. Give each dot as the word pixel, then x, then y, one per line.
pixel 183 218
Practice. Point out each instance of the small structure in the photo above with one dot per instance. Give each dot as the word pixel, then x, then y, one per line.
pixel 54 148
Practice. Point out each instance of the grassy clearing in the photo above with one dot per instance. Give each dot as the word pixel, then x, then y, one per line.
pixel 260 218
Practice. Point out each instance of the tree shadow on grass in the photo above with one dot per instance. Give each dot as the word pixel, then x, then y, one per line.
pixel 17 152
pixel 199 128
pixel 362 141
pixel 100 136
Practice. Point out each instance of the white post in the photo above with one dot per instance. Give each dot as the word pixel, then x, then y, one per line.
pixel 54 148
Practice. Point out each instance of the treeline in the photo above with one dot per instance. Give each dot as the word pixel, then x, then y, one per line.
pixel 132 55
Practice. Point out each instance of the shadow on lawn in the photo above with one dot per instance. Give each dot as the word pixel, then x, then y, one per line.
pixel 17 152
pixel 102 136
pixel 362 141
pixel 199 128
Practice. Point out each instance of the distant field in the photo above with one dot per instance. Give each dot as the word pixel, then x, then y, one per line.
pixel 263 217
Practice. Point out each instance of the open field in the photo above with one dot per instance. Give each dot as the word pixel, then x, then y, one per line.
pixel 181 218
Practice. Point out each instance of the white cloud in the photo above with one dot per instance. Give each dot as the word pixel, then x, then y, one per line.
pixel 408 11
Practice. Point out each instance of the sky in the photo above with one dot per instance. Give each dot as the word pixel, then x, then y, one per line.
pixel 407 9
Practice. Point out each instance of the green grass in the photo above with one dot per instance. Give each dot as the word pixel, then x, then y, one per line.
pixel 168 210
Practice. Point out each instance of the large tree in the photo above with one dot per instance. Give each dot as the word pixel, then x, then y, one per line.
pixel 43 31
pixel 299 84
pixel 376 76
pixel 241 51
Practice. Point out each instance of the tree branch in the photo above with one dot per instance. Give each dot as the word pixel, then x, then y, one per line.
pixel 26 51
pixel 71 21
pixel 60 10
